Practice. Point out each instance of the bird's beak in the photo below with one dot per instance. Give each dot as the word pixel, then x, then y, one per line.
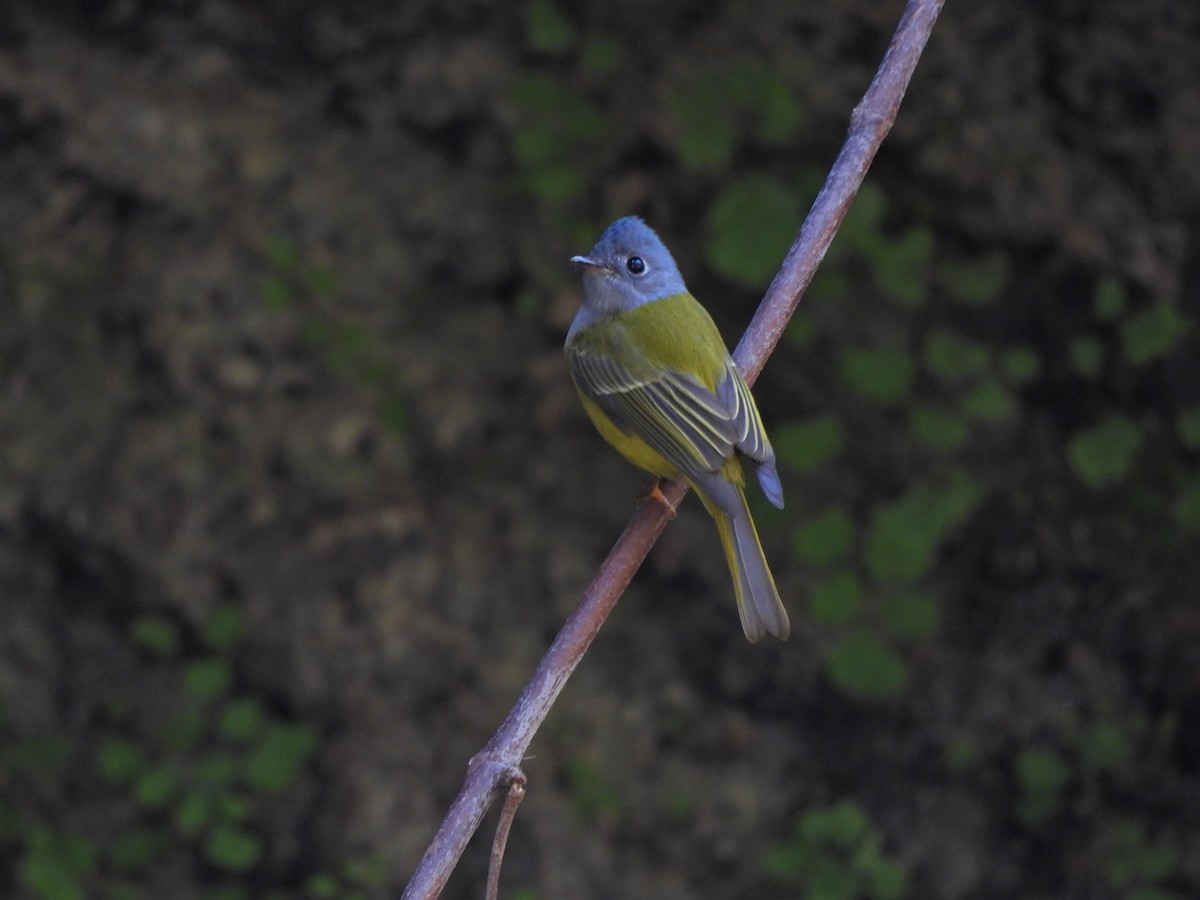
pixel 584 262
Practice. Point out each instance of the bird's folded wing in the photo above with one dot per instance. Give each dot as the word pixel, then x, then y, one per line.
pixel 692 427
pixel 749 434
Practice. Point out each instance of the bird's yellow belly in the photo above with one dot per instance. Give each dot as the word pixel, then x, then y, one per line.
pixel 632 447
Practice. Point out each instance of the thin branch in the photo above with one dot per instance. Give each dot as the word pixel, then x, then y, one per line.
pixel 491 770
pixel 508 812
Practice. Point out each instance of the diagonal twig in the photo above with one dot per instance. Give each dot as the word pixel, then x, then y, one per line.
pixel 491 770
pixel 508 812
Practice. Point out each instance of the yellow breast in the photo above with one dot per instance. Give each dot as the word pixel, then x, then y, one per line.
pixel 632 447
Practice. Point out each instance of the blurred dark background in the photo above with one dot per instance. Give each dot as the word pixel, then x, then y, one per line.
pixel 294 490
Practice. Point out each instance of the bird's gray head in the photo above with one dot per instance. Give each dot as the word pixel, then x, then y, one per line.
pixel 629 266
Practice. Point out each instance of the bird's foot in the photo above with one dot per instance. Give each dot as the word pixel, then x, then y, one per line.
pixel 654 492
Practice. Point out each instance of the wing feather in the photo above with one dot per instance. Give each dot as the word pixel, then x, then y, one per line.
pixel 694 428
pixel 751 436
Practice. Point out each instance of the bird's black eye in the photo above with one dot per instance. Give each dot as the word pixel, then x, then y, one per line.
pixel 635 265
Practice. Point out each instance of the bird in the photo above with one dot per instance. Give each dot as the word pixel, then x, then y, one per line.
pixel 657 381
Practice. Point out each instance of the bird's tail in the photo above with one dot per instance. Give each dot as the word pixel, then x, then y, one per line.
pixel 758 600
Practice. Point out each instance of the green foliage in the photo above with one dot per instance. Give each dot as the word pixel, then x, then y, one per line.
pixel 371 872
pixel 836 855
pixel 1066 781
pixel 210 770
pixel 547 29
pixel 989 402
pixel 1043 778
pixel 290 279
pixel 556 131
pixel 322 886
pixel 348 348
pixel 242 720
pixel 765 100
pixel 958 403
pixel 808 444
pixel 911 614
pixel 155 786
pixel 217 770
pixel 1104 746
pixel 1186 509
pixel 319 281
pixel 1152 333
pixel 196 785
pixel 954 358
pixel 283 255
pixel 187 729
pixel 837 599
pixel 36 758
pixel 900 266
pixel 826 538
pixel 938 430
pixel 600 55
pixel 120 759
pixel 1021 365
pixel 208 678
pixel 680 805
pixel 155 633
pixel 864 666
pixel 276 294
pixel 1105 453
pixel 225 627
pixel 705 137
pixel 1135 865
pixel 800 331
pixel 134 850
pixel 194 812
pixel 974 281
pixel 1109 302
pixel 1087 356
pixel 864 219
pixel 590 789
pixel 234 807
pixel 905 534
pixel 345 344
pixel 282 753
pixel 961 753
pixel 899 549
pixel 749 228
pixel 1187 424
pixel 232 849
pixel 393 414
pixel 830 285
pixel 56 865
pixel 881 376
pixel 278 289
pixel 715 111
pixel 842 825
